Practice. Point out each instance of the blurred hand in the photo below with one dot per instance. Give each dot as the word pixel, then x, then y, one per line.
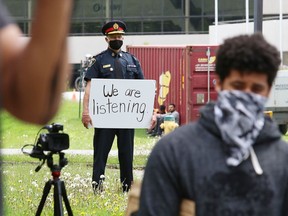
pixel 86 120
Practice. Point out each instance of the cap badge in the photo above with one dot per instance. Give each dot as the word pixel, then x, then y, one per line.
pixel 115 26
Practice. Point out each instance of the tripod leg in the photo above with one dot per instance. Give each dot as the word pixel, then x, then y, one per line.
pixel 46 190
pixel 58 208
pixel 65 198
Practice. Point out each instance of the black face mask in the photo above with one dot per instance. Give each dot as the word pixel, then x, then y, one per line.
pixel 115 44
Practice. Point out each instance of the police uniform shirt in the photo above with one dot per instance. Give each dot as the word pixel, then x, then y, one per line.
pixel 104 66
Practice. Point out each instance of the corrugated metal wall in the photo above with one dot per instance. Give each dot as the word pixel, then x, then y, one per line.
pixel 200 74
pixel 174 69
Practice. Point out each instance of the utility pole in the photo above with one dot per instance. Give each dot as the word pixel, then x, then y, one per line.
pixel 216 19
pixel 29 16
pixel 108 11
pixel 258 15
pixel 281 30
pixel 187 15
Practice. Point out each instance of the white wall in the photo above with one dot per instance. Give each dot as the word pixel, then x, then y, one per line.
pixel 271 31
pixel 273 6
pixel 82 45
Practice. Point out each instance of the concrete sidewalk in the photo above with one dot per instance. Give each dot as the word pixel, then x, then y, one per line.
pixel 138 173
pixel 73 95
pixel 73 152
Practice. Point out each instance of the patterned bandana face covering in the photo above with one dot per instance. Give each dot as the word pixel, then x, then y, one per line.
pixel 240 118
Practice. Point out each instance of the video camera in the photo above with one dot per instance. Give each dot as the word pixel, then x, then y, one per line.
pixel 54 141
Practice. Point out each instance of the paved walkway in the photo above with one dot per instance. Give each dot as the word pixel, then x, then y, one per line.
pixel 73 152
pixel 138 173
pixel 73 95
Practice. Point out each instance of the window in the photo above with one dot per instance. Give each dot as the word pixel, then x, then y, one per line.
pixel 141 16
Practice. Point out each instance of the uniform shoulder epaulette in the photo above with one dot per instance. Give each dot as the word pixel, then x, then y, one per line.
pixel 129 54
pixel 99 54
pixel 134 57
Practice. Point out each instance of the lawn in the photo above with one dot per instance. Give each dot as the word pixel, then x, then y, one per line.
pixel 23 186
pixel 23 189
pixel 15 133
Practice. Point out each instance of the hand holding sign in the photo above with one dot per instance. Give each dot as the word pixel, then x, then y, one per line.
pixel 86 120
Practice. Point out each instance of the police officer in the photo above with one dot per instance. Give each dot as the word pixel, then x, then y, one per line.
pixel 113 63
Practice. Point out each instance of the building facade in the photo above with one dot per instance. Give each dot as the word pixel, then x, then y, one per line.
pixel 142 17
pixel 161 22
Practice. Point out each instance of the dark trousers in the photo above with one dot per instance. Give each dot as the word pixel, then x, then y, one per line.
pixel 103 140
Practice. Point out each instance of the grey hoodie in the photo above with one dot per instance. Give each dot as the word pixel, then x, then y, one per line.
pixel 190 163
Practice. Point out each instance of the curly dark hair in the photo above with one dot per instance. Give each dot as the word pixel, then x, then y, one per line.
pixel 248 53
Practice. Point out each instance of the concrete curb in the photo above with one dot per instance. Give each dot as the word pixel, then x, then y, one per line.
pixel 72 152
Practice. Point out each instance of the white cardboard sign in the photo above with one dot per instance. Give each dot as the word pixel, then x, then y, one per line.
pixel 121 103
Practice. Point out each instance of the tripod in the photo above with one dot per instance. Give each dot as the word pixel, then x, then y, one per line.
pixel 59 187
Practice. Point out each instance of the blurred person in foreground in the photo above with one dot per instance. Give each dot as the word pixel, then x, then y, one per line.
pixel 112 63
pixel 232 161
pixel 34 72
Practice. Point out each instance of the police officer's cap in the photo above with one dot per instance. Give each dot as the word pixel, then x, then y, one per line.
pixel 114 27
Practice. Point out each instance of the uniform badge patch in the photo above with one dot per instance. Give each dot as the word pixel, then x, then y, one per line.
pixel 106 66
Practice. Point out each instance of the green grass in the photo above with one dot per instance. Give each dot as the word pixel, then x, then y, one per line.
pixel 23 186
pixel 285 137
pixel 23 189
pixel 15 133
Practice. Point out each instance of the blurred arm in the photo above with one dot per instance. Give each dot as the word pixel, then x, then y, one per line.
pixel 86 120
pixel 34 72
